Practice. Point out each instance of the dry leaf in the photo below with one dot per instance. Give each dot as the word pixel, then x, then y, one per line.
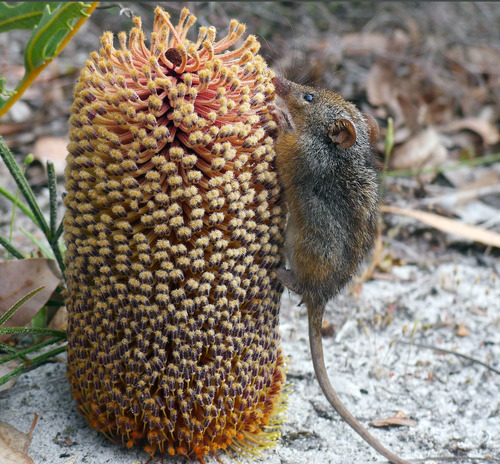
pixel 399 419
pixel 477 234
pixel 12 128
pixel 356 44
pixel 51 149
pixel 462 330
pixel 484 128
pixel 422 150
pixel 14 444
pixel 6 368
pixel 60 320
pixel 70 460
pixel 21 277
pixel 379 86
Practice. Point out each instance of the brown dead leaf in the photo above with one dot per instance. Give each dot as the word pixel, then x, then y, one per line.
pixel 485 129
pixel 21 277
pixel 422 150
pixel 399 419
pixel 462 330
pixel 356 44
pixel 379 86
pixel 14 444
pixel 51 149
pixel 60 320
pixel 12 128
pixel 477 234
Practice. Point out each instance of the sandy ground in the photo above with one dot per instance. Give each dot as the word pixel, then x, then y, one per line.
pixel 454 402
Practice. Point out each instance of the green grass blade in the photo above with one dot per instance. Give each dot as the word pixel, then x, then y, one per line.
pixel 29 159
pixel 32 331
pixel 18 203
pixel 11 249
pixel 23 185
pixel 31 349
pixel 32 364
pixel 44 248
pixel 16 305
pixel 13 353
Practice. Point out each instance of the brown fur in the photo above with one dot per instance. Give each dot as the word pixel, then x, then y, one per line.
pixel 330 182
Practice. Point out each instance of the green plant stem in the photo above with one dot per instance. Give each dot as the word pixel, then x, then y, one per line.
pixel 11 249
pixel 18 203
pixel 54 232
pixel 23 185
pixel 29 350
pixel 59 231
pixel 53 197
pixel 58 255
pixel 445 167
pixel 32 331
pixel 32 364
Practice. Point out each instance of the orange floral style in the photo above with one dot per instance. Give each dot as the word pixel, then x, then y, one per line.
pixel 173 229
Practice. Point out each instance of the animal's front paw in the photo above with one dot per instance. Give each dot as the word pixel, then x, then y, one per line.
pixel 287 278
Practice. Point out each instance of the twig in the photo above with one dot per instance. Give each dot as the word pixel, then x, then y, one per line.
pixel 443 168
pixel 464 356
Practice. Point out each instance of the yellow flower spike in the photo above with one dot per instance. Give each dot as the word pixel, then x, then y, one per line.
pixel 173 231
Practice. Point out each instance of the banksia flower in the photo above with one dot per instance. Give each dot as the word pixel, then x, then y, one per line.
pixel 173 230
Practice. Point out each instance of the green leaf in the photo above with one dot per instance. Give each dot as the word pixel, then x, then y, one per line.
pixel 48 34
pixel 23 15
pixel 3 90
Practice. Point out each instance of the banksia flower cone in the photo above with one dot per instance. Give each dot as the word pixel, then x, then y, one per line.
pixel 173 231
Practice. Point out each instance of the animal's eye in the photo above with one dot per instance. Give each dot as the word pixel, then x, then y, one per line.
pixel 308 97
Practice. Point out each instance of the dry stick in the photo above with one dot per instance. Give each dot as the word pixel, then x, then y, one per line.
pixel 430 347
pixel 458 459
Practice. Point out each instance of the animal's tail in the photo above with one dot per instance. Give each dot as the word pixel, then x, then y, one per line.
pixel 316 344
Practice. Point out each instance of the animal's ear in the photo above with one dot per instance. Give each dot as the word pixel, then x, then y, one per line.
pixel 343 132
pixel 373 129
